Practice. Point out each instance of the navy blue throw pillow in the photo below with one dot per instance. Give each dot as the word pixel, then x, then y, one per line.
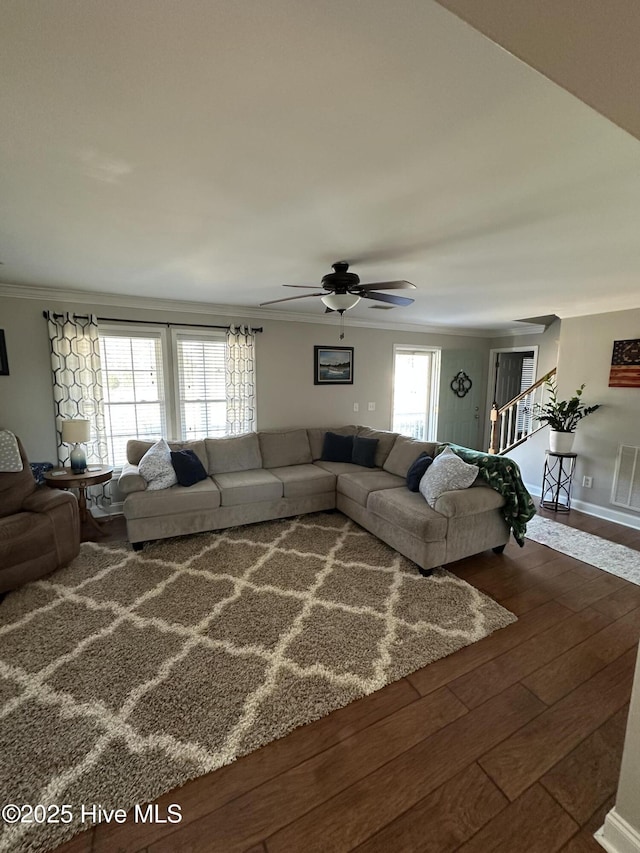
pixel 364 451
pixel 416 471
pixel 189 469
pixel 337 448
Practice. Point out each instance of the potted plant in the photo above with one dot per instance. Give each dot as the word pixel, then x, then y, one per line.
pixel 563 417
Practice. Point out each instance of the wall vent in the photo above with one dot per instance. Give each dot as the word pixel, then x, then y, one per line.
pixel 626 480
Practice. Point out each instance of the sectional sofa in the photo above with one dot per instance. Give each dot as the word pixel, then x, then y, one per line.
pixel 278 473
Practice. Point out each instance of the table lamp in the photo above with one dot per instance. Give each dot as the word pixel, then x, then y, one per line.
pixel 76 432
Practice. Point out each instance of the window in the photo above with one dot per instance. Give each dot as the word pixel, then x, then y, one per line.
pixel 415 391
pixel 160 384
pixel 202 398
pixel 134 399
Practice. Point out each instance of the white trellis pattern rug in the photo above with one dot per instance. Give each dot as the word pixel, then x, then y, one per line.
pixel 594 550
pixel 126 674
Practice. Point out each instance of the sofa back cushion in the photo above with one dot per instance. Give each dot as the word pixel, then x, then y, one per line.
pixel 316 437
pixel 404 453
pixel 385 443
pixel 280 448
pixel 136 449
pixel 236 453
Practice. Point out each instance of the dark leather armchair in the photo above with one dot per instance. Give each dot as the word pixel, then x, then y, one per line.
pixel 39 528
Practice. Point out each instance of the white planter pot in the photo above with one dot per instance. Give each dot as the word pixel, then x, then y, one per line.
pixel 560 442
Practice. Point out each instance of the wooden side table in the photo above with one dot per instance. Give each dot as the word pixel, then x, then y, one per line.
pixel 64 478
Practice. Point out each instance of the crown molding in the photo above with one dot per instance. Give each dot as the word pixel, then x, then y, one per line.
pixel 115 300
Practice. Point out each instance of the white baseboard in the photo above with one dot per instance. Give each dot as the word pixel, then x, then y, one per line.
pixel 616 835
pixel 607 514
pixel 603 512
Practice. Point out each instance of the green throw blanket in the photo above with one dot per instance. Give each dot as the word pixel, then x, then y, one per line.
pixel 503 475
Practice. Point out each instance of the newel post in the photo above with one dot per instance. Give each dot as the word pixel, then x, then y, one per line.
pixel 494 425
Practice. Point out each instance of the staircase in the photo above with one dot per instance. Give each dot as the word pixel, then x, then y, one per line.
pixel 514 423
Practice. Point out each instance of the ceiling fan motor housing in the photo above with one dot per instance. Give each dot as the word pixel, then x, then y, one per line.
pixel 341 281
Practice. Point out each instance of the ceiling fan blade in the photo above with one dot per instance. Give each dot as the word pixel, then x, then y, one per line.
pixel 388 297
pixel 387 285
pixel 289 298
pixel 306 286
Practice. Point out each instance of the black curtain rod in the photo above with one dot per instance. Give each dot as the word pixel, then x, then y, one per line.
pixel 45 314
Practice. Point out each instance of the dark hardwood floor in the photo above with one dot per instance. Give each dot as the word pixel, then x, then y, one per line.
pixel 511 744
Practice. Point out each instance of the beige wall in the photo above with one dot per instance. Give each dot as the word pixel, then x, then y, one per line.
pixel 584 355
pixel 286 393
pixel 547 343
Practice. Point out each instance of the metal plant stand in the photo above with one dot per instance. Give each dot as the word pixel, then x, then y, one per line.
pixel 556 483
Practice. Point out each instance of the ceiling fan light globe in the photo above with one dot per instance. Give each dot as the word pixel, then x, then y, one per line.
pixel 341 301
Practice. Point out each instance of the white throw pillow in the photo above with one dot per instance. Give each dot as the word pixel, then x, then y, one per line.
pixel 446 472
pixel 156 468
pixel 10 460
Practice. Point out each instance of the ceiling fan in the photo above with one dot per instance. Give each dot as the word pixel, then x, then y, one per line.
pixel 342 290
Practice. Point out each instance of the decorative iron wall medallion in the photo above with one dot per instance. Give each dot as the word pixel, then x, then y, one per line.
pixel 461 384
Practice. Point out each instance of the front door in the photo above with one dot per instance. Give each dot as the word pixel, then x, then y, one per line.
pixel 459 418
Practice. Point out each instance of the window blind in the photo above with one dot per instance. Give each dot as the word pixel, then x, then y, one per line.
pixel 201 385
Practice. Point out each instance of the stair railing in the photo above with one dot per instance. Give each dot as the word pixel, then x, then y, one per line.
pixel 513 423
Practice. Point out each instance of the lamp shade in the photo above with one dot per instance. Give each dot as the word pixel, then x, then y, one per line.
pixel 340 301
pixel 74 431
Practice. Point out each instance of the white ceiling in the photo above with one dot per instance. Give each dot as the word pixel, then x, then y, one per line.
pixel 212 151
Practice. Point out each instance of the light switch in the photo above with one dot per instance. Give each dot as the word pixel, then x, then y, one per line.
pixel 371 407
pixel 356 407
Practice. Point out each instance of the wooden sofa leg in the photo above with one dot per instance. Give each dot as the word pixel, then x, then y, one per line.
pixel 499 549
pixel 425 572
pixel 137 546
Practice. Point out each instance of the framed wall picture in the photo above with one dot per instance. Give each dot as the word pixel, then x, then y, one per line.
pixel 4 362
pixel 332 365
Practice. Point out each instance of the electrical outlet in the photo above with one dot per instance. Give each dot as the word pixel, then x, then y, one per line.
pixel 371 407
pixel 356 407
pixel 587 482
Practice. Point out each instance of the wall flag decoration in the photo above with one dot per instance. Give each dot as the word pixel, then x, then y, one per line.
pixel 625 364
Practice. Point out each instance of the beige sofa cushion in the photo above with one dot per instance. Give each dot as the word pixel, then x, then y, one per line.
pixel 358 486
pixel 462 502
pixel 246 487
pixel 385 442
pixel 408 511
pixel 235 453
pixel 136 449
pixel 338 468
pixel 301 480
pixel 404 453
pixel 284 447
pixel 316 437
pixel 176 500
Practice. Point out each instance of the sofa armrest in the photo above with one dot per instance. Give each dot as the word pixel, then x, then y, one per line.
pixel 461 502
pixel 45 499
pixel 131 480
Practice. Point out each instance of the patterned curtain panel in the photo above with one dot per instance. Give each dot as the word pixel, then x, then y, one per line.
pixel 241 380
pixel 77 381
